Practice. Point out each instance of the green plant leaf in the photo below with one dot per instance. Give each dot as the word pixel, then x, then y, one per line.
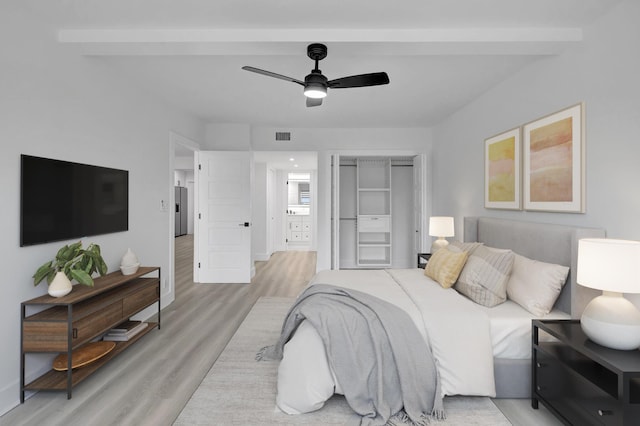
pixel 76 246
pixel 82 277
pixel 75 262
pixel 89 265
pixel 42 272
pixel 61 252
pixel 72 251
pixel 102 267
pixel 67 270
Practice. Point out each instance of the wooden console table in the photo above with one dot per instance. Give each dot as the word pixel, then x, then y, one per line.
pixel 66 323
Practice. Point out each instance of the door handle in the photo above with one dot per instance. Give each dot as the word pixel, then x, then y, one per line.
pixel 245 224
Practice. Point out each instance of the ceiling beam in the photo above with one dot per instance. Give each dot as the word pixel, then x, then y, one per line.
pixel 445 41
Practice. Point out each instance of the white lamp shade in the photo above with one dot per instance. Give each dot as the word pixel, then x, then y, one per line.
pixel 614 267
pixel 609 264
pixel 441 226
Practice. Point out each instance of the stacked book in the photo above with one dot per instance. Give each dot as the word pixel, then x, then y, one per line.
pixel 125 331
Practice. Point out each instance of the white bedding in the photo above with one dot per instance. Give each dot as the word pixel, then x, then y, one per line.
pixel 511 329
pixel 458 330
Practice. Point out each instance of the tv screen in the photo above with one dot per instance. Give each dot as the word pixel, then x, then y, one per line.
pixel 60 200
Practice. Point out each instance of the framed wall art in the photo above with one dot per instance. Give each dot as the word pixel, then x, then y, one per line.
pixel 553 162
pixel 502 171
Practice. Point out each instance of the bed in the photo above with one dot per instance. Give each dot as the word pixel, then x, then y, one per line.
pixel 499 336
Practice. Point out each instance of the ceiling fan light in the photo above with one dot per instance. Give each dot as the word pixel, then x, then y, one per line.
pixel 315 91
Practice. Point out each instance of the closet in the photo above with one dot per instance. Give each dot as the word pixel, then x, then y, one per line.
pixel 377 211
pixel 373 212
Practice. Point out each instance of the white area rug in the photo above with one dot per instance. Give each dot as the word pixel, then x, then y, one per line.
pixel 241 391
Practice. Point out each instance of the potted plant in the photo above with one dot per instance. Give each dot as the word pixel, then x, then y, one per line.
pixel 71 262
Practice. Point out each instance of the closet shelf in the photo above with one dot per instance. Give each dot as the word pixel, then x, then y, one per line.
pixel 374 262
pixel 373 207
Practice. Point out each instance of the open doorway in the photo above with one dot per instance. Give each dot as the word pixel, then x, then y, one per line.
pixel 271 200
pixel 299 212
pixel 181 169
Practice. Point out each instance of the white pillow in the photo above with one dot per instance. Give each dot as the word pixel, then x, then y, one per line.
pixel 458 246
pixel 485 275
pixel 536 285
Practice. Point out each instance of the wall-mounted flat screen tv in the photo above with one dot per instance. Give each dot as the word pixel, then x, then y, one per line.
pixel 60 200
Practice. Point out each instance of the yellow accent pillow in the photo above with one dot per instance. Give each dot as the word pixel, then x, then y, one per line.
pixel 444 266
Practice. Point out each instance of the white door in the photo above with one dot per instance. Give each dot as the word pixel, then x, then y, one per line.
pixel 223 222
pixel 419 203
pixel 335 211
pixel 272 210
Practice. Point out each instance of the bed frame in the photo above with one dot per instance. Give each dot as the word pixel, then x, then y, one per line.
pixel 544 242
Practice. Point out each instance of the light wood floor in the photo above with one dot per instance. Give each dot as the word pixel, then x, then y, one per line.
pixel 149 383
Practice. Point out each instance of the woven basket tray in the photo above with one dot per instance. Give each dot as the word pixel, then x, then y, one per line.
pixel 83 355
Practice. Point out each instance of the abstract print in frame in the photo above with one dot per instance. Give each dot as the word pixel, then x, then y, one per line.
pixel 502 171
pixel 554 162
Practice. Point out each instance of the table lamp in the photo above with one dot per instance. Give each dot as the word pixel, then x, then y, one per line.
pixel 441 227
pixel 612 266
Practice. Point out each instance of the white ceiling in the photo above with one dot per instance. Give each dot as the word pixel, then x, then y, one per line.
pixel 439 54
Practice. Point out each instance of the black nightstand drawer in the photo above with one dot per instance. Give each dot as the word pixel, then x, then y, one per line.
pixel 583 383
pixel 576 399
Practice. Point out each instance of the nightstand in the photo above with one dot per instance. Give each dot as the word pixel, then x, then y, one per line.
pixel 423 258
pixel 581 382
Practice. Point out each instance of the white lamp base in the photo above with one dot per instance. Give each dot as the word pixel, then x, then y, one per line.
pixel 611 320
pixel 438 244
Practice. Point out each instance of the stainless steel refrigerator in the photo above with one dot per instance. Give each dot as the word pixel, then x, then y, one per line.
pixel 181 211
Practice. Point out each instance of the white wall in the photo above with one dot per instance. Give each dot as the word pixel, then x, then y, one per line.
pixel 228 137
pixel 329 139
pixel 259 228
pixel 179 178
pixel 57 104
pixel 183 163
pixel 190 182
pixel 602 72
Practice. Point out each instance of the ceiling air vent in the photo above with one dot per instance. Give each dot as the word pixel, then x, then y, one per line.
pixel 283 136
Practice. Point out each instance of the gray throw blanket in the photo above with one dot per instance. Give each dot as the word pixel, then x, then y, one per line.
pixel 385 367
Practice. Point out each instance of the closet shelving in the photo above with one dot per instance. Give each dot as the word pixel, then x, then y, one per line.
pixel 373 212
pixel 377 207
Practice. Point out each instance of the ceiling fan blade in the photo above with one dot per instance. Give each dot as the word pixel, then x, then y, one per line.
pixel 362 80
pixel 273 74
pixel 311 102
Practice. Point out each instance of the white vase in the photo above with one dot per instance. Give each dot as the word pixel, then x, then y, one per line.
pixel 129 258
pixel 60 286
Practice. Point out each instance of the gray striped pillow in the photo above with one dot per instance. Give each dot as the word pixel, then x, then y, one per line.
pixel 485 275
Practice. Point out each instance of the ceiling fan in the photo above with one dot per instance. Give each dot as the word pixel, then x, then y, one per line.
pixel 316 85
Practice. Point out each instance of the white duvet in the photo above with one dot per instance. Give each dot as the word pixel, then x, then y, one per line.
pixel 459 333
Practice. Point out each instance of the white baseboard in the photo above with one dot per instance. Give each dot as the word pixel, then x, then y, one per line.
pixel 261 257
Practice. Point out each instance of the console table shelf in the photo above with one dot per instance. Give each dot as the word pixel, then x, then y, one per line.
pixel 66 323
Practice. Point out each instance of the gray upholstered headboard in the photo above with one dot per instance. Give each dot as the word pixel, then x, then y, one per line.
pixel 544 242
